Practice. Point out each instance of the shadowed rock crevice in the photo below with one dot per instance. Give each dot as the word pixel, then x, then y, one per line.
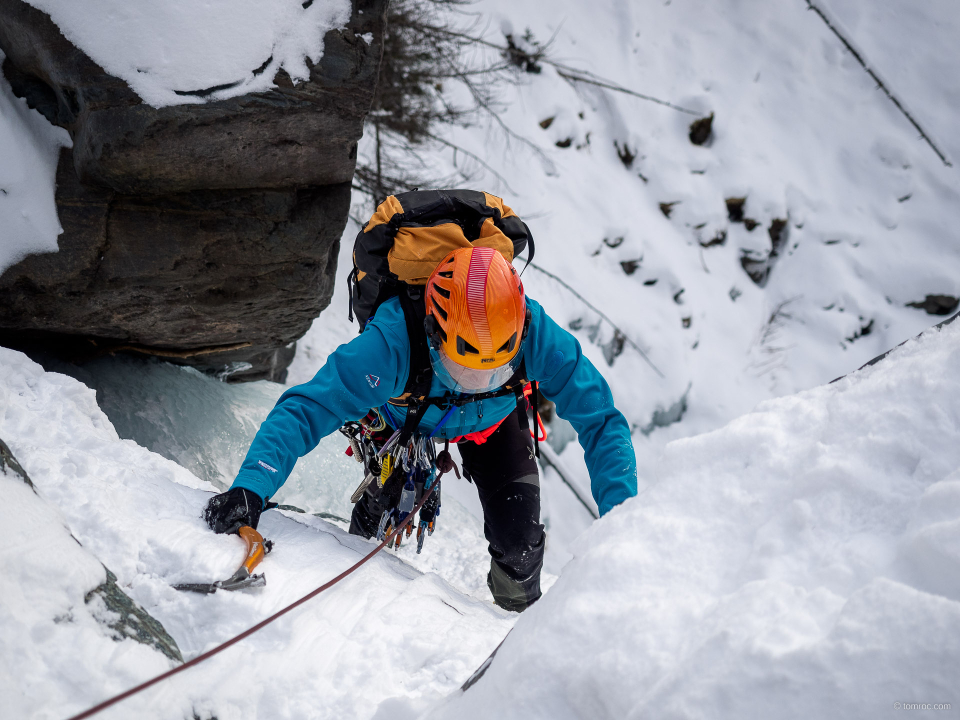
pixel 10 466
pixel 937 304
pixel 758 267
pixel 665 417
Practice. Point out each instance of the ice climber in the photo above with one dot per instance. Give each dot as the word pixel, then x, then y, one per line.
pixel 448 346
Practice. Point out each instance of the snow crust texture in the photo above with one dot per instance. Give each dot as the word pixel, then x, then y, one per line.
pixel 386 632
pixel 29 148
pixel 181 51
pixel 800 562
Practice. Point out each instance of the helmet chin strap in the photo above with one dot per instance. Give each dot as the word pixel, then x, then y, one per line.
pixel 431 327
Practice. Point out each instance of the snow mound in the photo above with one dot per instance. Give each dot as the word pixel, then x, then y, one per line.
pixel 29 149
pixel 388 631
pixel 170 52
pixel 800 562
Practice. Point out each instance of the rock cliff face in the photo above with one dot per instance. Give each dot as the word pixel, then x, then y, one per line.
pixel 206 233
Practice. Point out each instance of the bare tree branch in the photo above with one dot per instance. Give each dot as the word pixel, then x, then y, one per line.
pixel 599 312
pixel 858 56
pixel 582 76
pixel 477 158
pixel 569 73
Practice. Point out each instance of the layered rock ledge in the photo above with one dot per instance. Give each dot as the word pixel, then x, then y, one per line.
pixel 204 233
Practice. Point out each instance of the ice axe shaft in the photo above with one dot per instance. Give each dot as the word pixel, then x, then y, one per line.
pixel 255 548
pixel 243 578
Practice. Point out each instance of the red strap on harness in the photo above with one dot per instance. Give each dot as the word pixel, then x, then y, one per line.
pixel 541 433
pixel 481 436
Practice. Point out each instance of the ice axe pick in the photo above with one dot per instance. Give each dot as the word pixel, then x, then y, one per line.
pixel 244 577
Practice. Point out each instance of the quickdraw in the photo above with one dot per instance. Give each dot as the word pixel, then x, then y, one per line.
pixel 405 463
pixel 369 443
pixel 403 474
pixel 414 471
pixel 539 433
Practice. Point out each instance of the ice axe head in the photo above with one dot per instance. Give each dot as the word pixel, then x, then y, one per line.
pixel 257 547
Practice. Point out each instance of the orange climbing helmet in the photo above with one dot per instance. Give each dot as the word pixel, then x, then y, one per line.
pixel 476 319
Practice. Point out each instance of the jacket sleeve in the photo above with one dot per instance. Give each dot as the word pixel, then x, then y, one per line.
pixel 583 398
pixel 357 376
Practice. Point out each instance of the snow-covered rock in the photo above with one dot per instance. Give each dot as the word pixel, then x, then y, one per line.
pixel 203 227
pixel 166 52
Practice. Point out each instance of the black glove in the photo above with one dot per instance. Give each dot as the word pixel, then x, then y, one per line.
pixel 226 512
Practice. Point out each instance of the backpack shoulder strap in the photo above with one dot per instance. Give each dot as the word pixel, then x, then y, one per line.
pixel 414 313
pixel 417 389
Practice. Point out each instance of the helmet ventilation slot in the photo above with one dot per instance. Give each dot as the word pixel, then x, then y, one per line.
pixel 440 310
pixel 463 347
pixel 509 345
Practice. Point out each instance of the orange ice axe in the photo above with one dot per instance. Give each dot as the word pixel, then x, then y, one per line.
pixel 244 577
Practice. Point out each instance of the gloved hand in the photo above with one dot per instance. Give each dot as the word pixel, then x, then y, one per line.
pixel 226 512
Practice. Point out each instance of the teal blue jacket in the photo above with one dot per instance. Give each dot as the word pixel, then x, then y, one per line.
pixel 367 371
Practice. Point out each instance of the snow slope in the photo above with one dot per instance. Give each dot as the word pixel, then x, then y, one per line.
pixel 166 51
pixel 801 562
pixel 388 631
pixel 29 148
pixel 914 52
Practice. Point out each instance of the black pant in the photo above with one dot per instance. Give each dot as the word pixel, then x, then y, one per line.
pixel 504 470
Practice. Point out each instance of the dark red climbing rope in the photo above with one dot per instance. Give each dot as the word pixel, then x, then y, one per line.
pixel 246 633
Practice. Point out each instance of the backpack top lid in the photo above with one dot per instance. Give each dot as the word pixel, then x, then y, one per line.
pixel 410 233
